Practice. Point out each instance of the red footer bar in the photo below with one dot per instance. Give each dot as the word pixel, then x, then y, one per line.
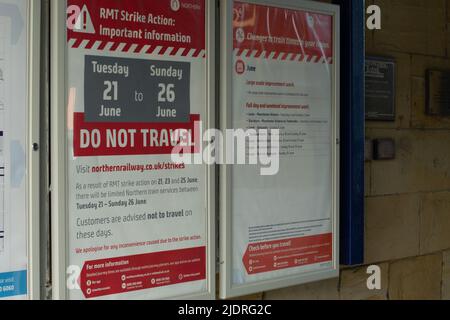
pixel 139 272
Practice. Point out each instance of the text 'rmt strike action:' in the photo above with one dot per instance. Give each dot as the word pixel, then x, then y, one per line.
pixel 136 17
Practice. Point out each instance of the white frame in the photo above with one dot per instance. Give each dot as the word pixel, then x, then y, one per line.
pixel 33 156
pixel 58 55
pixel 227 289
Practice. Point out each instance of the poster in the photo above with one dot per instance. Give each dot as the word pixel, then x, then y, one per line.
pixel 137 221
pixel 283 78
pixel 13 139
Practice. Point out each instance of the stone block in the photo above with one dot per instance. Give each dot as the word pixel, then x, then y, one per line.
pixel 353 284
pixel 421 163
pixel 322 290
pixel 435 222
pixel 416 279
pixel 392 228
pixel 412 26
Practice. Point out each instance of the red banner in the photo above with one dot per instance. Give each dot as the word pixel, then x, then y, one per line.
pixel 273 31
pixel 139 26
pixel 121 139
pixel 127 274
pixel 289 253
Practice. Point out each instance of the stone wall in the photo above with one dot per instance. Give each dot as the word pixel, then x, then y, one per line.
pixel 408 199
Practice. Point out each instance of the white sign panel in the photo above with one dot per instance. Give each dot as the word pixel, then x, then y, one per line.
pixel 281 74
pixel 13 141
pixel 138 224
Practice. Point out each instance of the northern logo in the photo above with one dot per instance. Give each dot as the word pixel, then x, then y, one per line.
pixel 175 5
pixel 240 35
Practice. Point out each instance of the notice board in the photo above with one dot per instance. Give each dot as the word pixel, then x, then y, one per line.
pixel 129 222
pixel 280 71
pixel 380 73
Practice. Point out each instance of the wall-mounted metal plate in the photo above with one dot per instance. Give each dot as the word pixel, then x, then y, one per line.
pixel 384 149
pixel 438 93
